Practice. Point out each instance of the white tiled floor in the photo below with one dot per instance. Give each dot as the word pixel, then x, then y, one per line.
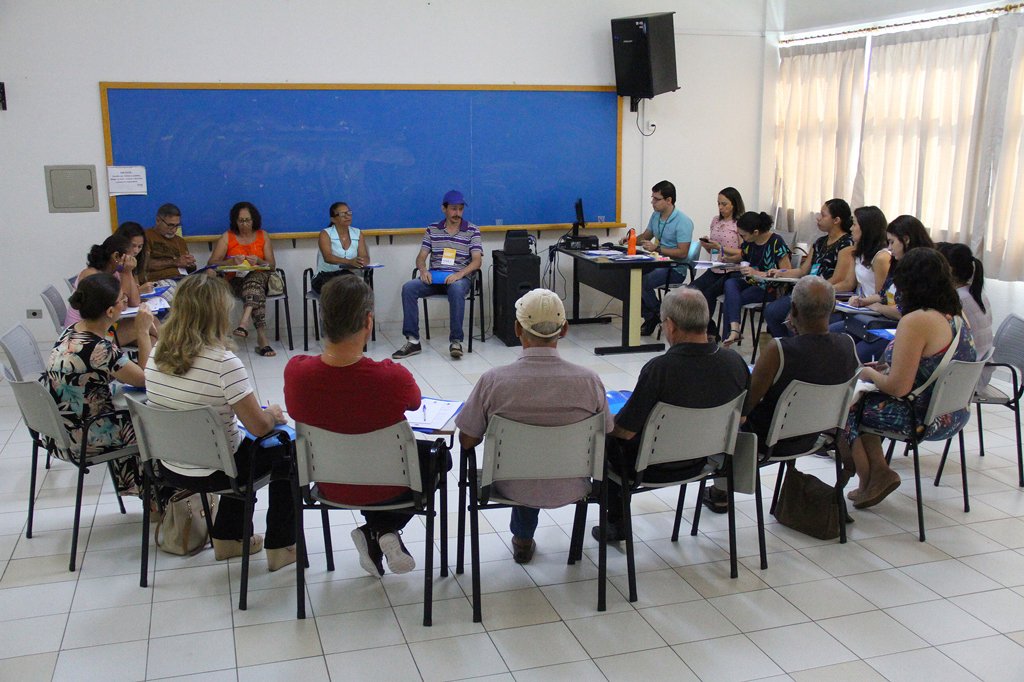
pixel 882 607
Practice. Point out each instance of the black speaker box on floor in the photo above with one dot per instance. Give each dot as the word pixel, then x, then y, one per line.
pixel 513 277
pixel 645 55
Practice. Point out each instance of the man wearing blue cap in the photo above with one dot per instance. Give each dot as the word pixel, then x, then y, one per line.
pixel 454 249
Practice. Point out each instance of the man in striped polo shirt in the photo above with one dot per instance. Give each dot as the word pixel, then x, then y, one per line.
pixel 453 247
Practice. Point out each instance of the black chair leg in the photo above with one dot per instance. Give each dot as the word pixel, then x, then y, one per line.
pixel 328 544
pixel 758 502
pixel 305 323
pixel 778 484
pixel 428 569
pixel 32 486
pixel 78 516
pixel 888 454
pixel 288 321
pixel 734 571
pixel 1020 451
pixel 840 499
pixel 316 322
pixel 602 546
pixel 300 551
pixel 474 560
pixel 981 433
pixel 942 462
pixel 679 513
pixel 917 485
pixel 444 523
pixel 460 533
pixel 144 570
pixel 697 508
pixel 243 594
pixel 426 319
pixel 578 530
pixel 472 300
pixel 627 526
pixel 963 471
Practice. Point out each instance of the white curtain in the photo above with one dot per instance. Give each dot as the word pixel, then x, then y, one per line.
pixel 820 102
pixel 923 114
pixel 1003 245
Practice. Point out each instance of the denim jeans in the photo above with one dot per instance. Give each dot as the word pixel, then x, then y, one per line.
pixel 775 314
pixel 712 285
pixel 415 289
pixel 738 293
pixel 524 522
pixel 654 280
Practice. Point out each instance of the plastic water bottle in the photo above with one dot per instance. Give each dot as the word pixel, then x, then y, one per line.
pixel 716 256
pixel 631 248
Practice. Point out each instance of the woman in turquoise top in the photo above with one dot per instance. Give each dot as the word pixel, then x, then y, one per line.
pixel 341 249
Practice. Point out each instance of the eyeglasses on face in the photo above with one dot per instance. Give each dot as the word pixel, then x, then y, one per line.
pixel 342 214
pixel 245 220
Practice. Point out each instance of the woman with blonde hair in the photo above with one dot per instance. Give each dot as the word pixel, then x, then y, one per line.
pixel 192 366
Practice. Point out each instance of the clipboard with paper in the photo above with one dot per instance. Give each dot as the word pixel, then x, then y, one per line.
pixel 433 414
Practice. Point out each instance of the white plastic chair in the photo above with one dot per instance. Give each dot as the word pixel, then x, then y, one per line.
pixel 23 356
pixel 952 391
pixel 515 452
pixel 159 433
pixel 310 297
pixel 55 305
pixel 386 457
pixel 1008 352
pixel 43 420
pixel 679 434
pixel 805 409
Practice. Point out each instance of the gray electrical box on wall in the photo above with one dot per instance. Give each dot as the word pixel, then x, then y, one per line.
pixel 71 189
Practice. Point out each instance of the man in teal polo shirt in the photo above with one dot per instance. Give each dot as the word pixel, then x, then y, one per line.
pixel 673 231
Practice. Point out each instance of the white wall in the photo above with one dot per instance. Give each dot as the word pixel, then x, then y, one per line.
pixel 56 52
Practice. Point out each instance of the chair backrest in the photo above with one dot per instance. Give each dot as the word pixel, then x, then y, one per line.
pixel 1009 343
pixel 694 255
pixel 23 356
pixel 54 303
pixel 515 451
pixel 388 456
pixel 71 283
pixel 40 412
pixel 954 387
pixel 677 434
pixel 160 433
pixel 805 408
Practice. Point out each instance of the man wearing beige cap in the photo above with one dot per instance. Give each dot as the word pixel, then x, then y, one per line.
pixel 542 389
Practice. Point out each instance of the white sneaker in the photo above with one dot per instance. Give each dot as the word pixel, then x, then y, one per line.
pixel 399 559
pixel 455 348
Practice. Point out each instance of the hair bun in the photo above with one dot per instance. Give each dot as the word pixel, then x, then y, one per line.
pixel 766 221
pixel 76 299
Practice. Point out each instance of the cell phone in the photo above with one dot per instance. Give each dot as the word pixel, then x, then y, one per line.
pixel 703 239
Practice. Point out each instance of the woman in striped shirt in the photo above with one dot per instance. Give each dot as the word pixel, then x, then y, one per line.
pixel 194 366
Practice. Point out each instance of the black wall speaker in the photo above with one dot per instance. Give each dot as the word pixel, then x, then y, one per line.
pixel 645 55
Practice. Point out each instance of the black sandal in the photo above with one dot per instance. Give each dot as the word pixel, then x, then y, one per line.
pixel 266 351
pixel 240 331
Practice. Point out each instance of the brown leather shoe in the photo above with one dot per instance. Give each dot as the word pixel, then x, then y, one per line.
pixel 522 550
pixel 876 493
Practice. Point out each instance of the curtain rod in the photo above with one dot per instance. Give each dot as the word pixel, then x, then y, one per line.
pixel 917 22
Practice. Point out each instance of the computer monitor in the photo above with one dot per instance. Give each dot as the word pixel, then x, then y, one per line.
pixel 580 222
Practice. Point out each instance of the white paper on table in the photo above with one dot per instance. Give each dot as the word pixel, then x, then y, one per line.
pixel 433 413
pixel 156 304
pixel 847 308
pixel 123 180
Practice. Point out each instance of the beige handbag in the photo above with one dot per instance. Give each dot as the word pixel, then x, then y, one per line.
pixel 184 527
pixel 275 285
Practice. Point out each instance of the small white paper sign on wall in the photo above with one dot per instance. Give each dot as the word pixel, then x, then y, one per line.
pixel 123 180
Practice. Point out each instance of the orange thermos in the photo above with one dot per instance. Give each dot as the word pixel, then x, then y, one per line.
pixel 631 250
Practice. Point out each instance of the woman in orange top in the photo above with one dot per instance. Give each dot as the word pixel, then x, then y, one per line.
pixel 246 243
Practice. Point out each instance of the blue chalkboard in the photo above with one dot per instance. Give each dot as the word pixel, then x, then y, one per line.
pixel 522 156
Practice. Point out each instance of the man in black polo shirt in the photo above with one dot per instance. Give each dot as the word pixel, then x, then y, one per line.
pixel 691 373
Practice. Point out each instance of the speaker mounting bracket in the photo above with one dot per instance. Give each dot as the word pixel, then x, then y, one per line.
pixel 634 104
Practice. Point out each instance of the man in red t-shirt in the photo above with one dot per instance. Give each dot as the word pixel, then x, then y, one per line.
pixel 344 392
